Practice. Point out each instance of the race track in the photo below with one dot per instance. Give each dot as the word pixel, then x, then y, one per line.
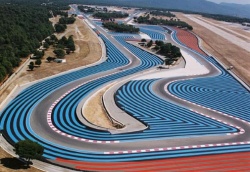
pixel 189 115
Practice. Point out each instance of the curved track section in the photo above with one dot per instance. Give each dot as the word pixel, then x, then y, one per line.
pixel 187 39
pixel 154 27
pixel 77 143
pixel 233 162
pixel 65 118
pixel 208 92
pixel 163 117
pixel 155 35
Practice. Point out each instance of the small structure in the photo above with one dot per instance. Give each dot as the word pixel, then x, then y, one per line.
pixel 230 68
pixel 60 60
pixel 246 24
pixel 32 56
pixel 80 16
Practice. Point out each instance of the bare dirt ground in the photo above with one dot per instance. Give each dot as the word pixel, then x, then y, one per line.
pixel 236 30
pixel 232 26
pixel 94 111
pixel 227 52
pixel 88 50
pixel 10 164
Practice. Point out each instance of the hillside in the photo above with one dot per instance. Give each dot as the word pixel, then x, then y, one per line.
pixel 186 5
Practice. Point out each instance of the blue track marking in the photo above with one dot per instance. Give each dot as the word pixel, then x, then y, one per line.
pixel 155 35
pixel 15 122
pixel 154 27
pixel 223 93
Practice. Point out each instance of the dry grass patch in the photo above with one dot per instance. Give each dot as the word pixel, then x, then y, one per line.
pixel 225 51
pixel 94 111
pixel 232 26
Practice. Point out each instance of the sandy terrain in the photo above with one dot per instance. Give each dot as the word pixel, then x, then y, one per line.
pixel 221 31
pixel 94 111
pixel 226 51
pixel 232 26
pixel 243 36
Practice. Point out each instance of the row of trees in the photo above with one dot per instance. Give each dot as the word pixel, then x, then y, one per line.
pixel 171 52
pixel 226 18
pixel 32 64
pixel 86 9
pixel 67 20
pixel 154 21
pixel 61 26
pixel 62 46
pixel 107 16
pixel 162 13
pixel 167 49
pixel 120 27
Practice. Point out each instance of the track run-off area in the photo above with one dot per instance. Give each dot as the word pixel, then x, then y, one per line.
pixel 193 122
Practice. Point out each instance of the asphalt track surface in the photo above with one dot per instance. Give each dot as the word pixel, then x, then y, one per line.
pixel 232 133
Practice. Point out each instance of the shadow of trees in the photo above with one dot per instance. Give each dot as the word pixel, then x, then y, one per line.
pixel 13 163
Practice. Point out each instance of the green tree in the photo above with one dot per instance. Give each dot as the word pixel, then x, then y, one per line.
pixel 38 54
pixel 8 66
pixel 63 41
pixel 49 59
pixel 143 40
pixel 71 44
pixel 3 71
pixel 46 45
pixel 23 25
pixel 28 149
pixel 168 61
pixel 68 51
pixel 38 62
pixel 60 28
pixel 156 47
pixel 31 67
pixel 54 38
pixel 1 77
pixel 24 52
pixel 60 53
pixel 159 43
pixel 150 43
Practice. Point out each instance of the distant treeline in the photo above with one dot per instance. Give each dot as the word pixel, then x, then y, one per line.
pixel 86 9
pixel 67 20
pixel 120 27
pixel 154 21
pixel 162 13
pixel 106 16
pixel 227 18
